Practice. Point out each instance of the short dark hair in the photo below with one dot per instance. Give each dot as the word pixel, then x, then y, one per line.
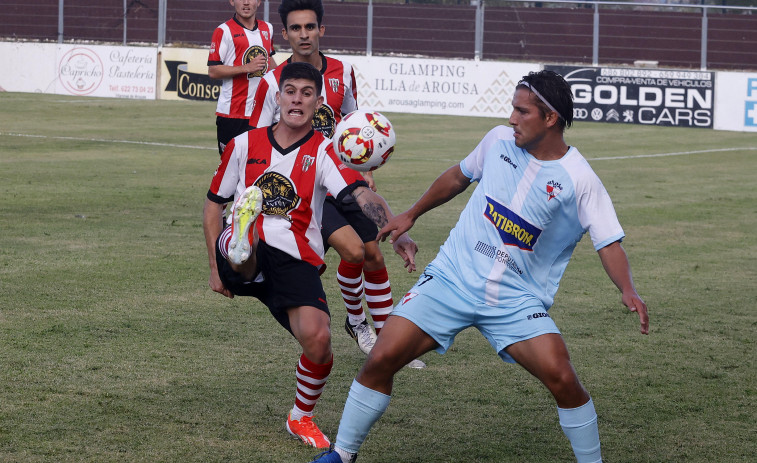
pixel 287 6
pixel 554 89
pixel 301 70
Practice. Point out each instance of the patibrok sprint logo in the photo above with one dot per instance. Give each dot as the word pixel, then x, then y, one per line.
pixel 513 229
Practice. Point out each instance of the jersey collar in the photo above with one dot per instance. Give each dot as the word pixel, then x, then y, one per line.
pixel 297 144
pixel 254 28
pixel 324 62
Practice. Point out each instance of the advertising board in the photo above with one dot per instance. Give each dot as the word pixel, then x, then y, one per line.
pixel 433 86
pixel 738 94
pixel 117 72
pixel 81 70
pixel 641 96
pixel 27 67
pixel 184 75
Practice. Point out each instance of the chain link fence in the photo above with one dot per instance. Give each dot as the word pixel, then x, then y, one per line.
pixel 671 34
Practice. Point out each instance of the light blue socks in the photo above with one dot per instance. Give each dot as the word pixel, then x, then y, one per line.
pixel 580 426
pixel 364 407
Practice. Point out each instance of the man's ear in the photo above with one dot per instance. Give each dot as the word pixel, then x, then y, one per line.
pixel 552 118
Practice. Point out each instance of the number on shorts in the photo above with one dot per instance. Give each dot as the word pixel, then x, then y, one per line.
pixel 426 279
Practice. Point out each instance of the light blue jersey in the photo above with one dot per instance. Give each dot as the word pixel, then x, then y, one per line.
pixel 516 234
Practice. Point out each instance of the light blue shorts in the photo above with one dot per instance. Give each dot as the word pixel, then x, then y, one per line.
pixel 441 311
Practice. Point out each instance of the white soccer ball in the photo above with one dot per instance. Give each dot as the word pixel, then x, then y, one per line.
pixel 364 140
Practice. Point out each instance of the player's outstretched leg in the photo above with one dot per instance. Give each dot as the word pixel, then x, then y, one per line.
pixel 311 380
pixel 246 211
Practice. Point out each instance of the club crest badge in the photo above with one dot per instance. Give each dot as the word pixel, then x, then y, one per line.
pixel 279 196
pixel 307 161
pixel 407 297
pixel 553 189
pixel 334 85
pixel 251 53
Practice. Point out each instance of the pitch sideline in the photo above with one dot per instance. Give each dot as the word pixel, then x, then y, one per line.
pixel 172 145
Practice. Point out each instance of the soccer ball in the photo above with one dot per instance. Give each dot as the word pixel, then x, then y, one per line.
pixel 364 140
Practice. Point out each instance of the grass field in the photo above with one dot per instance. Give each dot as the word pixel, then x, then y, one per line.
pixel 113 348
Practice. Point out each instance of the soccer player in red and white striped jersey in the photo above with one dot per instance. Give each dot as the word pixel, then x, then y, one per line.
pixel 289 168
pixel 345 227
pixel 241 52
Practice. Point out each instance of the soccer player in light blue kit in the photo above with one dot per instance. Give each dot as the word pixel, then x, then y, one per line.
pixel 500 268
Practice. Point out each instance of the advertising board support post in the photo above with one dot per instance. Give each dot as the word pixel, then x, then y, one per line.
pixel 60 21
pixel 478 47
pixel 369 31
pixel 595 38
pixel 703 56
pixel 162 23
pixel 126 14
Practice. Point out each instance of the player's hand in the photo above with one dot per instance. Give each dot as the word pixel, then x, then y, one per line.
pixel 393 229
pixel 215 284
pixel 406 248
pixel 258 63
pixel 368 177
pixel 636 304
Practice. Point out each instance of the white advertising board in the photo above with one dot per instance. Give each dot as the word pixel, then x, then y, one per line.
pixel 433 86
pixel 27 67
pixel 736 102
pixel 82 70
pixel 117 72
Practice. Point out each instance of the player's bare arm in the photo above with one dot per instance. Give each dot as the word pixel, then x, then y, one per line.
pixel 223 71
pixel 377 209
pixel 373 205
pixel 451 183
pixel 212 223
pixel 615 262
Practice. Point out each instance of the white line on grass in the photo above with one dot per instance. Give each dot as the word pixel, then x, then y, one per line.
pixel 679 153
pixel 171 145
pixel 102 140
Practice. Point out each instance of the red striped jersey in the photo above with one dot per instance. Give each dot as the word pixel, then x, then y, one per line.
pixel 235 45
pixel 339 96
pixel 294 182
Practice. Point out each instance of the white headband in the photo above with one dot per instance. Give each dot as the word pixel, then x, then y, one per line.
pixel 543 100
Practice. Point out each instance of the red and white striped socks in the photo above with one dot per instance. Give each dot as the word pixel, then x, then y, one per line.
pixel 378 296
pixel 311 379
pixel 350 279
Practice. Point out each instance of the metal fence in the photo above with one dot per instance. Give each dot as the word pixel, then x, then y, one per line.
pixel 602 32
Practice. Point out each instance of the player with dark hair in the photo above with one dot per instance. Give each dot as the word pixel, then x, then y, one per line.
pixel 273 250
pixel 500 267
pixel 345 227
pixel 241 52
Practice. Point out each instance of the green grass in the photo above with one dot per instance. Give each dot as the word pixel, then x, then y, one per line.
pixel 113 348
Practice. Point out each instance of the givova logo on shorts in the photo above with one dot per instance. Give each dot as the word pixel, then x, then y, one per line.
pixel 513 229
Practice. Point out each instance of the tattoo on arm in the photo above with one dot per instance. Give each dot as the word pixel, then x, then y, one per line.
pixel 372 208
pixel 376 213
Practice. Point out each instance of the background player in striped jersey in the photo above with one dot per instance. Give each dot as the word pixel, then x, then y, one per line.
pixel 345 227
pixel 285 171
pixel 241 52
pixel 500 267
